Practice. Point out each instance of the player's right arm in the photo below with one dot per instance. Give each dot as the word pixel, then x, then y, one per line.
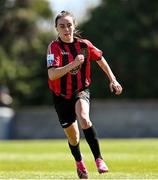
pixel 56 71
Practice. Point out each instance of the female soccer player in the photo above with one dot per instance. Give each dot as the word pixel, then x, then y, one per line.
pixel 68 63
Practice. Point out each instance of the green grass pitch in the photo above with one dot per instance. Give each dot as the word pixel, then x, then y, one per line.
pixel 51 159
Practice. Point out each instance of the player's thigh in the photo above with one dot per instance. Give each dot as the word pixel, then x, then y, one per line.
pixel 82 111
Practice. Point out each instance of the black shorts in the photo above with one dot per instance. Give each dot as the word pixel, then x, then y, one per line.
pixel 65 108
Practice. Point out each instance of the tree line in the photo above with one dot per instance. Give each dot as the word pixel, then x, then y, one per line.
pixel 125 30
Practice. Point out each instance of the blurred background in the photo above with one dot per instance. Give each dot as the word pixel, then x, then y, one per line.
pixel 127 33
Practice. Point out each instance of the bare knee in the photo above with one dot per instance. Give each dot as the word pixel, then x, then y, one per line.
pixel 72 133
pixel 85 124
pixel 73 140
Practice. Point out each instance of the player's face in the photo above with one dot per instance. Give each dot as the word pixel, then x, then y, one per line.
pixel 65 28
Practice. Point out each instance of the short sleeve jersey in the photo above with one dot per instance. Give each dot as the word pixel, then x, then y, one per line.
pixel 60 54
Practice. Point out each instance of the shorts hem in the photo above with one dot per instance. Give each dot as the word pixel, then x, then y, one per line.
pixel 67 125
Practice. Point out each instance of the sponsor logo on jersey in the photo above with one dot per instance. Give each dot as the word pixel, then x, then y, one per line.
pixel 75 70
pixel 50 59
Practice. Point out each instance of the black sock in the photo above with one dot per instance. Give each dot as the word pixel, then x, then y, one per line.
pixel 91 137
pixel 75 150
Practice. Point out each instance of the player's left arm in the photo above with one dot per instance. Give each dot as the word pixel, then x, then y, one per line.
pixel 114 84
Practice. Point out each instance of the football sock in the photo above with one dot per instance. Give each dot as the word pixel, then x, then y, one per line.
pixel 91 138
pixel 75 150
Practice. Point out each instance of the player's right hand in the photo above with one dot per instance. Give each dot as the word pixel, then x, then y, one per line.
pixel 79 59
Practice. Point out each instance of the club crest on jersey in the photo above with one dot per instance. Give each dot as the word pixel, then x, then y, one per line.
pixel 75 70
pixel 84 52
pixel 50 59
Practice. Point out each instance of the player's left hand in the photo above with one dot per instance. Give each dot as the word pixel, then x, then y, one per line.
pixel 115 86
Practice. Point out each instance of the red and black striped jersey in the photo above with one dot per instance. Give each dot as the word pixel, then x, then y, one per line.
pixel 59 54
